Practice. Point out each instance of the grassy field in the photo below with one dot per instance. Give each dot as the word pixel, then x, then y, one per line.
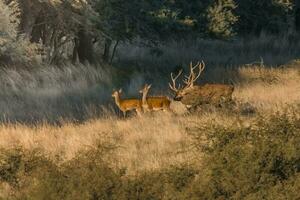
pixel 63 121
pixel 157 140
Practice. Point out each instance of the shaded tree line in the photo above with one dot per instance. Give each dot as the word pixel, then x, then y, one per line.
pixel 75 28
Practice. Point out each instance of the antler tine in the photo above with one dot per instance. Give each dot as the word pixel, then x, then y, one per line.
pixel 189 78
pixel 192 77
pixel 186 81
pixel 198 63
pixel 179 73
pixel 173 87
pixel 201 69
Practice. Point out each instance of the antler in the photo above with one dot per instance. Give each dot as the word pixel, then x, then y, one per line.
pixel 173 87
pixel 192 77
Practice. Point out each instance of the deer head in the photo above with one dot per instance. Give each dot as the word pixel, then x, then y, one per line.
pixel 145 89
pixel 117 93
pixel 188 81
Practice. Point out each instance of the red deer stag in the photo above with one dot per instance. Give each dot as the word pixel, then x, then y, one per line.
pixel 193 95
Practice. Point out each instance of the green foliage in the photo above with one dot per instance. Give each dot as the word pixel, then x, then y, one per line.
pixel 7 27
pixel 172 183
pixel 118 19
pixel 14 49
pixel 253 161
pixel 178 19
pixel 156 20
pixel 85 177
pixel 221 19
pixel 271 16
pixel 20 168
pixel 90 177
pixel 34 176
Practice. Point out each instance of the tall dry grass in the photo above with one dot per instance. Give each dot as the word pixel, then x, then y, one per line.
pixel 147 143
pixel 52 94
pixel 159 140
pixel 269 88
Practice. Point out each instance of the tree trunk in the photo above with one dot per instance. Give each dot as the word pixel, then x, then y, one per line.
pixel 297 16
pixel 84 47
pixel 75 51
pixel 113 52
pixel 30 10
pixel 297 19
pixel 106 53
pixel 38 29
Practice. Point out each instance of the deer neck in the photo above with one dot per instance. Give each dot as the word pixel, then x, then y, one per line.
pixel 144 99
pixel 118 100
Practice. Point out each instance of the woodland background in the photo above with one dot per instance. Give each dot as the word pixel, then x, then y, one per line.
pixel 63 138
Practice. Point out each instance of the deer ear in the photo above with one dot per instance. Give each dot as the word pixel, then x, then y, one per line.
pixel 120 90
pixel 149 86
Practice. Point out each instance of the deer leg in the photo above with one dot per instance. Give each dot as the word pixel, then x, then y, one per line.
pixel 139 112
pixel 166 109
pixel 124 114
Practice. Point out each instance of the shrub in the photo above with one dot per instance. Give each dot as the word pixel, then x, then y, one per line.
pixel 255 16
pixel 171 183
pixel 14 49
pixel 87 176
pixel 16 164
pixel 221 19
pixel 251 161
pixel 21 169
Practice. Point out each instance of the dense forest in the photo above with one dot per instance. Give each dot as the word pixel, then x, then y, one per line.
pixel 149 99
pixel 90 31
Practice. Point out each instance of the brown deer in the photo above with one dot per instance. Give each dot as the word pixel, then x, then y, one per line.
pixel 127 104
pixel 154 103
pixel 192 95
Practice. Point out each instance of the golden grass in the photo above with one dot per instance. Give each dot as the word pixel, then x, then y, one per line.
pixel 160 139
pixel 269 88
pixel 144 143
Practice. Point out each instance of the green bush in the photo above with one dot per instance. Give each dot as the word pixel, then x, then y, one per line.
pixel 172 183
pixel 17 164
pixel 252 161
pixel 255 16
pixel 22 169
pixel 87 176
pixel 221 19
pixel 15 49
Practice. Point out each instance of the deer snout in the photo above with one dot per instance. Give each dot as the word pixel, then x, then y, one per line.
pixel 177 98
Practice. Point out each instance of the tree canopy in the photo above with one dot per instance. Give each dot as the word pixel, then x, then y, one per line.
pixel 86 24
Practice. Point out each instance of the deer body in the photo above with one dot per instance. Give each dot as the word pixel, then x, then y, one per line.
pixel 155 103
pixel 193 95
pixel 215 94
pixel 127 104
